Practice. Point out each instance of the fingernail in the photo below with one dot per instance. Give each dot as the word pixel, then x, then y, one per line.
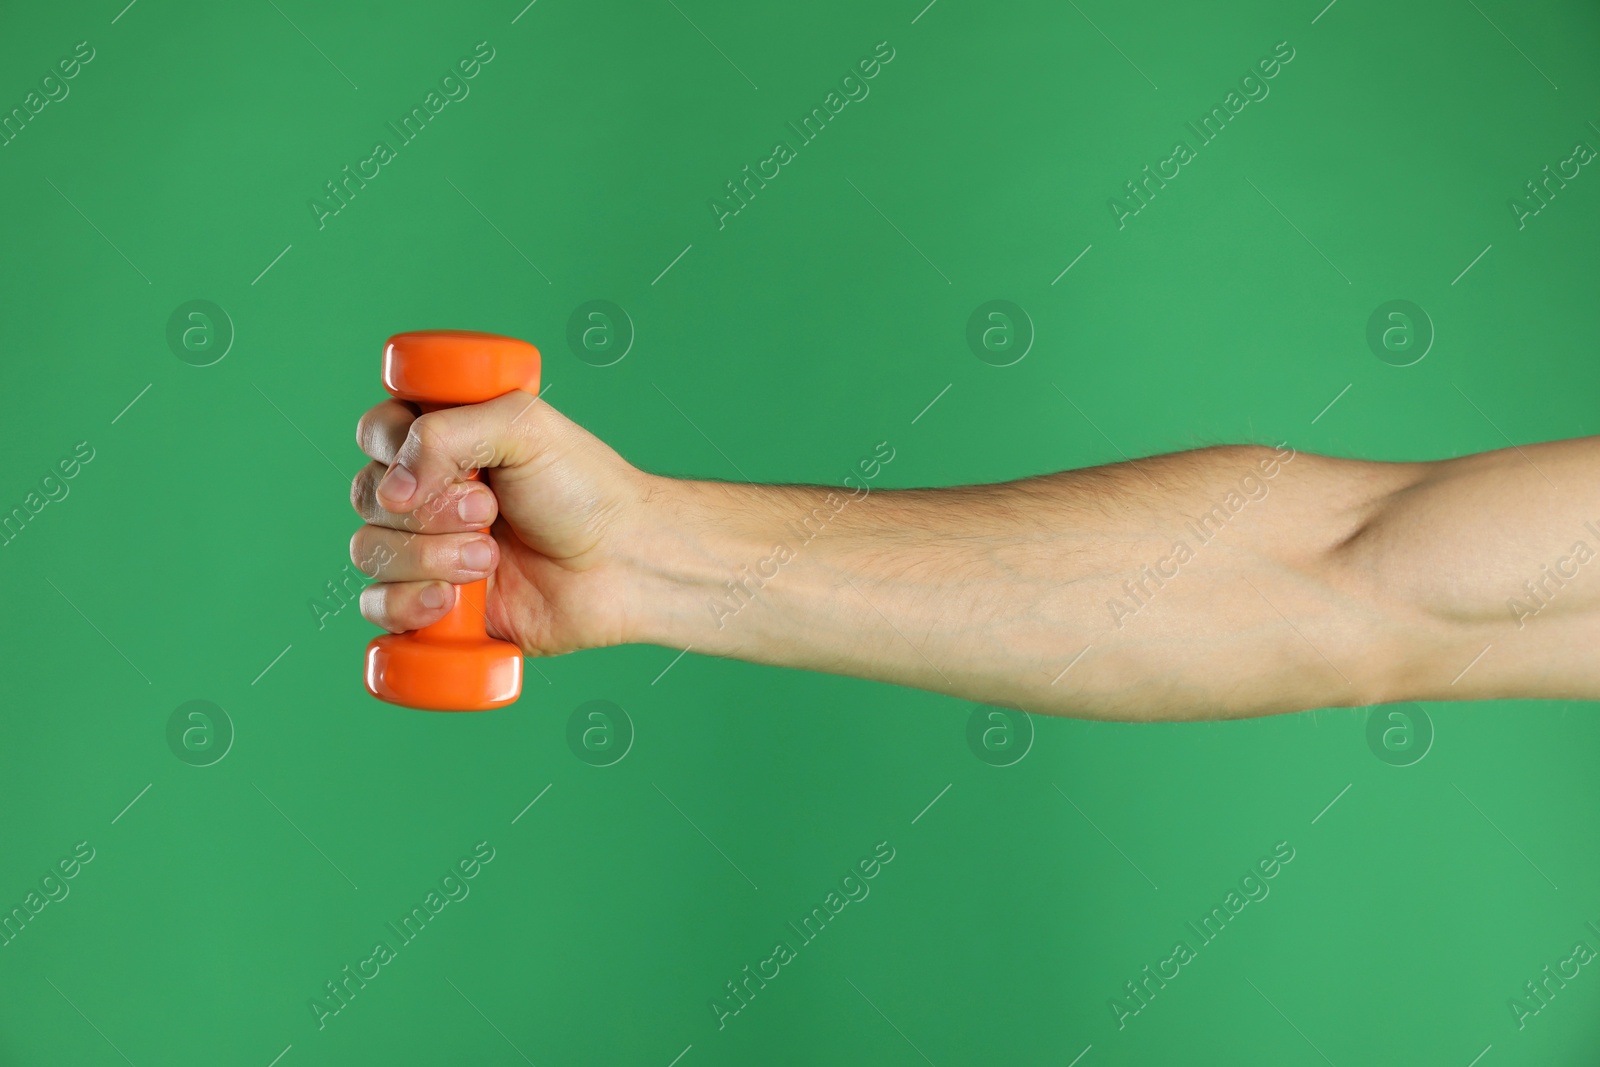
pixel 398 485
pixel 433 597
pixel 475 507
pixel 475 555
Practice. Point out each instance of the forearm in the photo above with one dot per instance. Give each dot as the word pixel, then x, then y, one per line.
pixel 1198 585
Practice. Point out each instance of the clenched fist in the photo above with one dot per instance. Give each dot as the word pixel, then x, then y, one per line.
pixel 562 511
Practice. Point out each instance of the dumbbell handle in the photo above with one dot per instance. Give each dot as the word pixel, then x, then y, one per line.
pixel 467 618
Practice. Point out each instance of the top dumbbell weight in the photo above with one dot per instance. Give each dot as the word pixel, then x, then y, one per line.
pixel 452 664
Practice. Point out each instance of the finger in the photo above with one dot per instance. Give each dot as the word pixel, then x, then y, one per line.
pixel 463 505
pixel 393 556
pixel 402 606
pixel 382 430
pixel 442 446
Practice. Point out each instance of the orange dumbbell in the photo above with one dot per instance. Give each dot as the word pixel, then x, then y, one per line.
pixel 453 664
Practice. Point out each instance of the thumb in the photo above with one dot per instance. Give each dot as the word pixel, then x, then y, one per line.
pixel 441 450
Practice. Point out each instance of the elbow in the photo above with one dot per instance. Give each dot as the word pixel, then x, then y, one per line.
pixel 1379 568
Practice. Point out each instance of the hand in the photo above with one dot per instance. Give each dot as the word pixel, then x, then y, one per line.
pixel 565 511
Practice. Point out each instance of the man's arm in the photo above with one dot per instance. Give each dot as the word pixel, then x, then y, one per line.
pixel 1219 583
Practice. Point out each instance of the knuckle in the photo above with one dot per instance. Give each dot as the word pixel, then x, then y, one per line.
pixel 364 427
pixel 373 598
pixel 370 552
pixel 363 491
pixel 429 433
pixel 383 429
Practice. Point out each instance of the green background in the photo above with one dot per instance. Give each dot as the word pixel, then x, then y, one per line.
pixel 825 317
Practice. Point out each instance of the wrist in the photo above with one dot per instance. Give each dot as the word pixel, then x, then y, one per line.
pixel 681 556
pixel 733 569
